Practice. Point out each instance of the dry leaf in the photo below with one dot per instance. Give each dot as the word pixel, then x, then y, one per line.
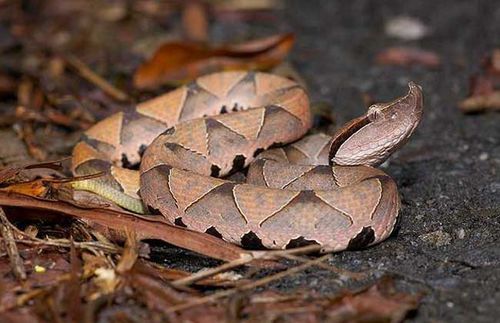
pixel 405 56
pixel 479 103
pixel 178 62
pixel 484 87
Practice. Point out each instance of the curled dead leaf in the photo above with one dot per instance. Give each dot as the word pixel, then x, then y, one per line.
pixel 179 62
pixel 479 103
pixel 484 87
pixel 406 56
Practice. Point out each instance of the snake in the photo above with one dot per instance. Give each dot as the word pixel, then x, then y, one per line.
pixel 178 155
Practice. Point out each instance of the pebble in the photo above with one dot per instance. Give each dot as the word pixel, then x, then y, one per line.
pixel 438 238
pixel 406 28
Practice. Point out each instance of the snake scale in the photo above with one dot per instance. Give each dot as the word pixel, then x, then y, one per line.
pixel 317 189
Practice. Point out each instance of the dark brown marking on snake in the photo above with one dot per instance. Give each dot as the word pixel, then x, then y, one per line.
pixel 152 210
pixel 178 222
pixel 362 239
pixel 214 171
pixel 127 164
pixel 173 146
pixel 238 163
pixel 300 242
pixel 251 241
pixel 276 145
pixel 213 231
pixel 142 149
pixel 257 152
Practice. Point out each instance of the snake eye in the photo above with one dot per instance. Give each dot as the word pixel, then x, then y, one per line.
pixel 374 112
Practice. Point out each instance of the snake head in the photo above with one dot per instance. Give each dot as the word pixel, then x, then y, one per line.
pixel 373 137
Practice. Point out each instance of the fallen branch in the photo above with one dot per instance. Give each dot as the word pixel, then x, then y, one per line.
pixel 115 223
pixel 16 261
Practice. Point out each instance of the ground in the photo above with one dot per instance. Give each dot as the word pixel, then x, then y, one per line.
pixel 446 244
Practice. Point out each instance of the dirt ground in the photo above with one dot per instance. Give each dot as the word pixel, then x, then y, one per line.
pixel 446 244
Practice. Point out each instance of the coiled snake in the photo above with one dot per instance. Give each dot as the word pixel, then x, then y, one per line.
pixel 316 190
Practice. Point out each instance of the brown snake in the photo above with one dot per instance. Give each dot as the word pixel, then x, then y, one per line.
pixel 317 190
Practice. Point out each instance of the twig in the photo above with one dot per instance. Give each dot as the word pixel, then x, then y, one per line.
pixel 248 286
pixel 245 259
pixel 339 271
pixel 273 254
pixel 16 261
pixel 96 79
pixel 65 243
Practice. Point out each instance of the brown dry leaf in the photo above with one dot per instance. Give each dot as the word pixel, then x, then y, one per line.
pixel 36 188
pixel 484 91
pixel 492 63
pixel 378 303
pixel 406 56
pixel 480 103
pixel 130 253
pixel 25 179
pixel 178 62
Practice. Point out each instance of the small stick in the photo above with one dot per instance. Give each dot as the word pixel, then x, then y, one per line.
pixel 338 271
pixel 16 261
pixel 248 286
pixel 96 79
pixel 245 259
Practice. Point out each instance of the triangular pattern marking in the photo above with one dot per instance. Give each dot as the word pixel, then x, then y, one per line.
pixel 128 180
pixel 165 108
pixel 247 123
pixel 359 201
pixel 107 130
pixel 267 83
pixel 257 204
pixel 219 84
pixel 278 176
pixel 312 145
pixel 187 187
pixel 296 103
pixel 84 152
pixel 192 135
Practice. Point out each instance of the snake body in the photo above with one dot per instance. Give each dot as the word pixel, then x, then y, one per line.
pixel 319 189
